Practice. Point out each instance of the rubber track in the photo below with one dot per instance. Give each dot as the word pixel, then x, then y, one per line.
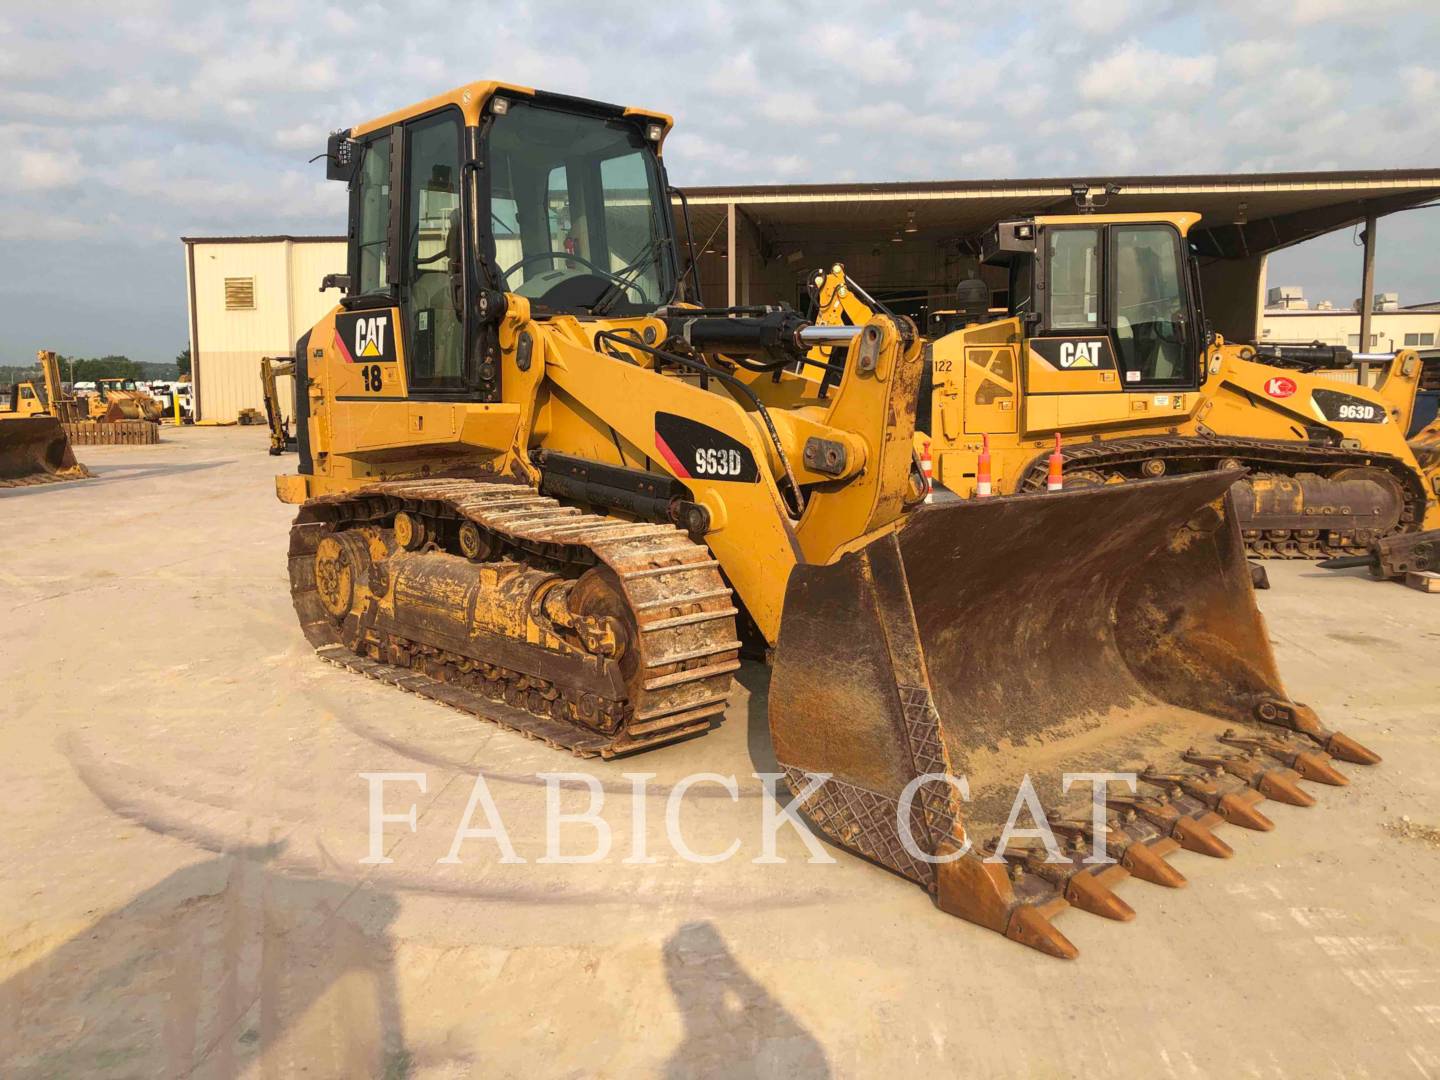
pixel 685 613
pixel 1258 455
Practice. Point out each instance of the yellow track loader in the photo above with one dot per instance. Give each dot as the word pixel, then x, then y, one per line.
pixel 540 482
pixel 1105 344
pixel 34 444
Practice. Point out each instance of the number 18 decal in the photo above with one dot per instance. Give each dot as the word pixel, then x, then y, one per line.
pixel 374 381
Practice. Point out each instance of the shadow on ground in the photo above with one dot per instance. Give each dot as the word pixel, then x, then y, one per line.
pixel 101 475
pixel 733 1027
pixel 220 966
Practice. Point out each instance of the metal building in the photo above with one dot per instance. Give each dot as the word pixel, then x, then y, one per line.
pixel 249 297
pixel 910 244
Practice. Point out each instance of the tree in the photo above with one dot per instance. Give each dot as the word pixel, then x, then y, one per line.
pixel 106 367
pixel 182 361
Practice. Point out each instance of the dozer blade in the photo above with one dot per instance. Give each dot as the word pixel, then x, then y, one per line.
pixel 995 645
pixel 35 450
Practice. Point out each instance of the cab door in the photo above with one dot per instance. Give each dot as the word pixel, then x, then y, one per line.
pixel 1071 376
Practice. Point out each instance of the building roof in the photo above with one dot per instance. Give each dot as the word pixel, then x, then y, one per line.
pixel 1241 213
pixel 277 238
pixel 1350 312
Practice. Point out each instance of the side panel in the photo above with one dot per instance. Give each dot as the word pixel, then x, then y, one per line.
pixel 991 389
pixel 750 535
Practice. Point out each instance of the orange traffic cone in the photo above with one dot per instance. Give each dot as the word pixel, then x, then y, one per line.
pixel 1056 479
pixel 927 468
pixel 982 470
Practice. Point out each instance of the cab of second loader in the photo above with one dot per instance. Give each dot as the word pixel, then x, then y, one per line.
pixel 1118 294
pixel 1103 333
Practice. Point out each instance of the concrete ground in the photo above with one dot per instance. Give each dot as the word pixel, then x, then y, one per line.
pixel 181 891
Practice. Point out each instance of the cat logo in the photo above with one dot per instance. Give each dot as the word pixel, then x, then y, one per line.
pixel 370 335
pixel 366 337
pixel 1079 354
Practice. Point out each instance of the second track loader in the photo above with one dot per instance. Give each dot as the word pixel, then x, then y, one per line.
pixel 541 483
pixel 1105 346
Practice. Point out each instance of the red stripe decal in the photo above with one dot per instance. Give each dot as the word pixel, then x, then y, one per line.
pixel 671 459
pixel 340 345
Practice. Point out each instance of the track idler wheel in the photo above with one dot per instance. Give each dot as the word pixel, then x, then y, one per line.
pixel 342 561
pixel 409 531
pixel 475 545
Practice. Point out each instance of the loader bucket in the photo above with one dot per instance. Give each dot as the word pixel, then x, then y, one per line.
pixel 989 641
pixel 35 449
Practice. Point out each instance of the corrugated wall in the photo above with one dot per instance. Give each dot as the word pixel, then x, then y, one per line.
pixel 228 343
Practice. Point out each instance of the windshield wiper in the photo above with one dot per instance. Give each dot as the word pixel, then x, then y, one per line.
pixel 616 289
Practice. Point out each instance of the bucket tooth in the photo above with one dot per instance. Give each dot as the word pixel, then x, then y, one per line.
pixel 1280 785
pixel 1274 782
pixel 1236 806
pixel 1314 765
pixel 1309 764
pixel 1193 834
pixel 1090 891
pixel 1084 886
pixel 1345 748
pixel 985 893
pixel 1240 808
pixel 1030 926
pixel 1302 718
pixel 1146 861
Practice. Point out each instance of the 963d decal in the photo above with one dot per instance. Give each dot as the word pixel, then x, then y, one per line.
pixel 696 451
pixel 1347 408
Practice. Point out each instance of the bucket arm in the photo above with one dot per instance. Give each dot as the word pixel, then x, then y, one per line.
pixel 271 368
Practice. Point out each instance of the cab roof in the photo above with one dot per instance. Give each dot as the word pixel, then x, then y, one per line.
pixel 472 98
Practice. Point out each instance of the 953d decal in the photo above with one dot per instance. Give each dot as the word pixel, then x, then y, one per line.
pixel 696 451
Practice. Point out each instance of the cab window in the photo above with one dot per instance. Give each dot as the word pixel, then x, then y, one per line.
pixel 1148 310
pixel 372 217
pixel 577 214
pixel 1074 279
pixel 433 274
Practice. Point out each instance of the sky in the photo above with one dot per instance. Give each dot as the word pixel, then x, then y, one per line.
pixel 125 126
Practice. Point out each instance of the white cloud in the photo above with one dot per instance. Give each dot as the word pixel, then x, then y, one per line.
pixel 44 170
pixel 1135 74
pixel 870 58
pixel 1312 12
pixel 198 115
pixel 1256 56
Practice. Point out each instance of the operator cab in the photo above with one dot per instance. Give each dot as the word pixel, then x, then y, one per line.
pixel 1095 293
pixel 109 386
pixel 467 198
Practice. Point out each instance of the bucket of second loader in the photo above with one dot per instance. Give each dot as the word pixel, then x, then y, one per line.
pixel 35 450
pixel 968 660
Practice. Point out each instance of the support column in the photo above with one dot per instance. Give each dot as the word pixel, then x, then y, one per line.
pixel 732 256
pixel 1367 288
pixel 745 237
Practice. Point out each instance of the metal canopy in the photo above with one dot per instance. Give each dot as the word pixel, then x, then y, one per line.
pixel 1243 214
